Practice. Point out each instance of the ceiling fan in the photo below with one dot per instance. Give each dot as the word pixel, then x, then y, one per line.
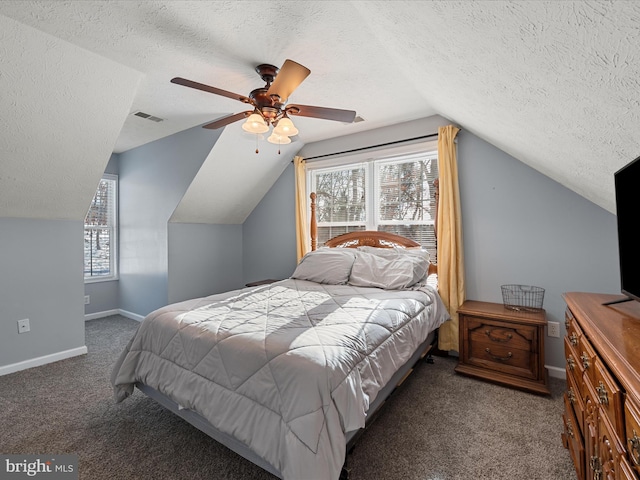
pixel 270 102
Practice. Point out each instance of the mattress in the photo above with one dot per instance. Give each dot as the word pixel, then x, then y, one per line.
pixel 286 369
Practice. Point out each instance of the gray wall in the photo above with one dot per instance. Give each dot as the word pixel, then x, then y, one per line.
pixel 519 226
pixel 269 233
pixel 41 279
pixel 153 179
pixel 203 260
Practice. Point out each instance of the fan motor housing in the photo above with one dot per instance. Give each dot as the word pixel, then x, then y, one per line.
pixel 267 104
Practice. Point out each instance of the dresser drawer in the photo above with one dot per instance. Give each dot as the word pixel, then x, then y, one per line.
pixel 573 438
pixel 576 401
pixel 573 329
pixel 632 433
pixel 573 365
pixel 609 397
pixel 587 357
pixel 625 471
pixel 609 449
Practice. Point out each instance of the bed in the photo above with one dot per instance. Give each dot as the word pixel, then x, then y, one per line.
pixel 288 374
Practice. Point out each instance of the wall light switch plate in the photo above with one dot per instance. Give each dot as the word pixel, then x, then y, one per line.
pixel 87 299
pixel 23 326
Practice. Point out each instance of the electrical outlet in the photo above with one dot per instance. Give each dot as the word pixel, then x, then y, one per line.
pixel 553 329
pixel 87 299
pixel 23 326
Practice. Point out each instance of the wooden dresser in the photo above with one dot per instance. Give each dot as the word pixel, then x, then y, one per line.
pixel 503 346
pixel 602 401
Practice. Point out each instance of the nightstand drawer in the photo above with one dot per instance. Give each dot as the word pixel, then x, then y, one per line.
pixel 502 358
pixel 500 333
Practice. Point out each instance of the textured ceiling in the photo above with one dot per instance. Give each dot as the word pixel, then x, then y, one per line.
pixel 554 84
pixel 56 132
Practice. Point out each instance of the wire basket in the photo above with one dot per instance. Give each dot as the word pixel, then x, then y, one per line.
pixel 522 298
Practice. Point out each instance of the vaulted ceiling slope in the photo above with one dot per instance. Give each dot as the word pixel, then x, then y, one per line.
pixel 554 84
pixel 61 110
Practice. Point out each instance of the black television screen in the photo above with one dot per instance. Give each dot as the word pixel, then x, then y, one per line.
pixel 627 185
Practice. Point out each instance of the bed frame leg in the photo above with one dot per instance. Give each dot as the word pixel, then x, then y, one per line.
pixel 344 473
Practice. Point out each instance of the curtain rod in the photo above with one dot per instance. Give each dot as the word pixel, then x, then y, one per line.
pixel 373 146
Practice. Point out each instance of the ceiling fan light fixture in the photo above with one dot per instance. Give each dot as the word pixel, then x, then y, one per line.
pixel 255 124
pixel 285 127
pixel 278 139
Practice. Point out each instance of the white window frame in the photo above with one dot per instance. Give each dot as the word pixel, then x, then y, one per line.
pixel 369 159
pixel 113 235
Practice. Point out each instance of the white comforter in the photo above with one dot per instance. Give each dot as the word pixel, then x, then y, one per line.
pixel 286 368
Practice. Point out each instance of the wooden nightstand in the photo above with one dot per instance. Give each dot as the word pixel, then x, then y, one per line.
pixel 503 346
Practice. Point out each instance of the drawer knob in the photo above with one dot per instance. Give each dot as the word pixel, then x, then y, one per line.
pixel 495 357
pixel 585 360
pixel 571 396
pixel 573 339
pixel 603 396
pixel 571 362
pixel 635 448
pixel 567 324
pixel 508 337
pixel 570 429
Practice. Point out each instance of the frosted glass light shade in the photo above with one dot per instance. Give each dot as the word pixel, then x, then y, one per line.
pixel 278 139
pixel 285 127
pixel 255 124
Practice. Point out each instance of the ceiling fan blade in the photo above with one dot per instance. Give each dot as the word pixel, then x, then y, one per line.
pixel 221 122
pixel 289 77
pixel 346 116
pixel 206 88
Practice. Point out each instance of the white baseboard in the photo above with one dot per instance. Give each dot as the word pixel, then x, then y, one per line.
pixel 39 361
pixel 557 372
pixel 115 311
pixel 131 315
pixel 106 313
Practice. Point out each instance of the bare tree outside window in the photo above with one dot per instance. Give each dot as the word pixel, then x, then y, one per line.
pixel 393 195
pixel 100 231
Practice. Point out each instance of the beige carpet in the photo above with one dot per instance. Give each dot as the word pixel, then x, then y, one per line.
pixel 439 426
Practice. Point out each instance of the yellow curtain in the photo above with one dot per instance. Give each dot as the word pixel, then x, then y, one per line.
pixel 301 207
pixel 449 237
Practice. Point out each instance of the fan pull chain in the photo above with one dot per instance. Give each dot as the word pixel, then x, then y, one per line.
pixel 257 151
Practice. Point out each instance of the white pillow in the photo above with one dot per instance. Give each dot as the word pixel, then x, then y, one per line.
pixel 326 265
pixel 390 272
pixel 390 252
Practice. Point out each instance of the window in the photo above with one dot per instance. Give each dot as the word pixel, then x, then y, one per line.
pixel 100 232
pixel 394 194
